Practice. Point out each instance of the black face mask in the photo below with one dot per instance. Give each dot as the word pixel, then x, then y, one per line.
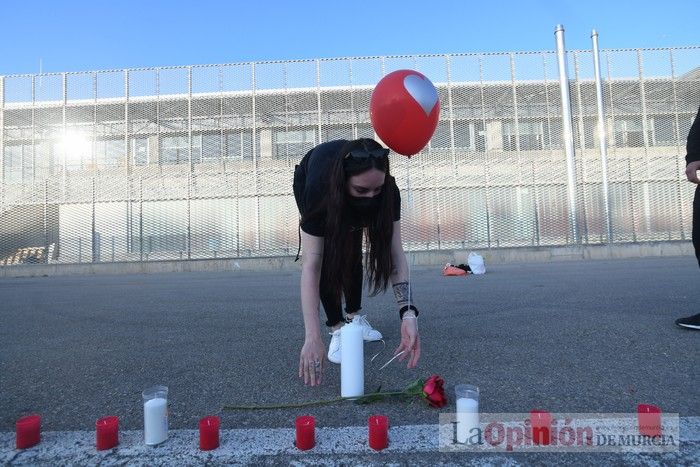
pixel 364 206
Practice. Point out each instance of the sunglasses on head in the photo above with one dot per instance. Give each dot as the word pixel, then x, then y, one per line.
pixel 359 154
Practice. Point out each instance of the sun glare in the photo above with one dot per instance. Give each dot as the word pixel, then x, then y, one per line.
pixel 75 147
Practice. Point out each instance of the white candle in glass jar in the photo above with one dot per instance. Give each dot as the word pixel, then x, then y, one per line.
pixel 155 420
pixel 467 418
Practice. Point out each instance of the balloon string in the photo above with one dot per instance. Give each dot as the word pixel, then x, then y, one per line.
pixel 410 205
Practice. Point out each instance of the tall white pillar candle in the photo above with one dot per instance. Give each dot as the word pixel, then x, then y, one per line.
pixel 467 418
pixel 352 361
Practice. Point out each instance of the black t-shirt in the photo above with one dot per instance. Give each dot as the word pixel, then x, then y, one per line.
pixel 318 166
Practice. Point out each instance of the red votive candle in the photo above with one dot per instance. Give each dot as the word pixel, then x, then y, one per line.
pixel 540 423
pixel 306 432
pixel 28 431
pixel 209 433
pixel 107 432
pixel 649 420
pixel 378 432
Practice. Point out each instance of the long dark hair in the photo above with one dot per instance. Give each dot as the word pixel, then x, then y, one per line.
pixel 378 229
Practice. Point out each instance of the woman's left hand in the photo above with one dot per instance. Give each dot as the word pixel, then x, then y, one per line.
pixel 410 342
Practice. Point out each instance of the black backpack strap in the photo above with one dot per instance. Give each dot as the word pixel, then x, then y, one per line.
pixel 298 186
pixel 298 249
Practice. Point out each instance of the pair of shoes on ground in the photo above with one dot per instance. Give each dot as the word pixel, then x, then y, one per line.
pixel 369 334
pixel 691 322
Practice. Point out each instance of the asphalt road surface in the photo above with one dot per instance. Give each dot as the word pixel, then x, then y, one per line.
pixel 570 337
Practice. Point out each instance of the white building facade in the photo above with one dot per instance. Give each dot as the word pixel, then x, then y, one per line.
pixel 197 161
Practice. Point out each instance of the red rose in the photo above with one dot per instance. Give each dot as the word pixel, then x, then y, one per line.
pixel 434 392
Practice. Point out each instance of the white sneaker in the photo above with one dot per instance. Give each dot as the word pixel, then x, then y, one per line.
pixel 368 332
pixel 334 347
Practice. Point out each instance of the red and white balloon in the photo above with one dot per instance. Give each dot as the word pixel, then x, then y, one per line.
pixel 404 109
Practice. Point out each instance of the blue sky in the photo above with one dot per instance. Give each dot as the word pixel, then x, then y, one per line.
pixel 80 35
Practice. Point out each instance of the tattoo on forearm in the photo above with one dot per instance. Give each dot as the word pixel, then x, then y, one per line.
pixel 401 292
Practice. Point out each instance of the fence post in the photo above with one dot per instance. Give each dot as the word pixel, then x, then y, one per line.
pixel 602 138
pixel 568 132
pixel 93 236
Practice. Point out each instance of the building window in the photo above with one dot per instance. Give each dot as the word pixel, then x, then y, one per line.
pixel 662 130
pixel 441 137
pixel 18 163
pixel 175 149
pixel 239 145
pixel 530 136
pixel 43 160
pixel 291 144
pixel 211 147
pixel 139 151
pixel 628 132
pixel 109 153
pixel 469 135
pixel 586 136
pixel 333 133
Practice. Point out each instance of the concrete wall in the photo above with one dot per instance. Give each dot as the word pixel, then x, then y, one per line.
pixel 416 258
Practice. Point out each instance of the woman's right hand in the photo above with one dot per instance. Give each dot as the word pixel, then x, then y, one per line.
pixel 311 360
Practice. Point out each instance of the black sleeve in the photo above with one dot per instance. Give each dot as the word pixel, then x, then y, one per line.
pixel 315 224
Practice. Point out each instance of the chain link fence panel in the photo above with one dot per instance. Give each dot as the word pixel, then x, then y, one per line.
pixel 192 162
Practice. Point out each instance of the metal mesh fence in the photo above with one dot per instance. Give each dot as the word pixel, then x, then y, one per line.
pixel 196 162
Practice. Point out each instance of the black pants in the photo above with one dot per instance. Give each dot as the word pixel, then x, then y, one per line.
pixel 352 292
pixel 696 223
